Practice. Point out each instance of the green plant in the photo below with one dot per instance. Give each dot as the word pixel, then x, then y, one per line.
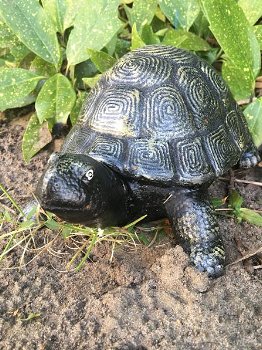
pixel 235 209
pixel 52 51
pixel 22 234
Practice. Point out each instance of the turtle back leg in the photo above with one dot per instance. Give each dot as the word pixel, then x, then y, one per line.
pixel 194 224
pixel 250 157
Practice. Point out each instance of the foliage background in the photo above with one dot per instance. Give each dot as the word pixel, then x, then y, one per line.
pixel 53 51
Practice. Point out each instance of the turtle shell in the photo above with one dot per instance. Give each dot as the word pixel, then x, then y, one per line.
pixel 161 114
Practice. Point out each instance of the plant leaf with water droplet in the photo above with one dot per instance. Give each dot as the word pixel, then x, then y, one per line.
pixel 33 27
pixel 55 100
pixel 185 40
pixel 15 86
pixel 180 13
pixel 35 138
pixel 253 114
pixel 91 29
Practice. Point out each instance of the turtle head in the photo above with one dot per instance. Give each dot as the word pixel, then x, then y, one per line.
pixel 80 189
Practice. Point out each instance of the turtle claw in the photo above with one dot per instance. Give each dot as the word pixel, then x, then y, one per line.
pixel 210 262
pixel 249 159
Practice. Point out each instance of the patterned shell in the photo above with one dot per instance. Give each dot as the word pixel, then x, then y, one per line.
pixel 164 115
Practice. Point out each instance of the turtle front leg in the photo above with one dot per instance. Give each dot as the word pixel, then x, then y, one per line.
pixel 195 225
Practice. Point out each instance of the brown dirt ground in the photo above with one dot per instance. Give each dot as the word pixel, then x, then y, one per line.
pixel 149 298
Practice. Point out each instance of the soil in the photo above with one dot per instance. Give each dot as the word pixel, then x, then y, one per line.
pixel 147 298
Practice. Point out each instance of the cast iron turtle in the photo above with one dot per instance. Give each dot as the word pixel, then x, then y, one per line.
pixel 154 133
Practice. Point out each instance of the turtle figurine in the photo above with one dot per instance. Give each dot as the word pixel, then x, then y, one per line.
pixel 153 134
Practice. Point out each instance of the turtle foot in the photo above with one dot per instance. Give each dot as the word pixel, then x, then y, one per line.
pixel 210 262
pixel 249 159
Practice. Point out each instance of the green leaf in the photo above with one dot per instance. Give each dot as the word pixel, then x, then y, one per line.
pixel 66 232
pixel 185 40
pixel 148 36
pixel 77 107
pixel 180 13
pixel 41 67
pixel 94 26
pixel 232 30
pixel 102 60
pixel 35 138
pixel 52 224
pixel 253 114
pixel 31 316
pixel 91 82
pixel 201 26
pixel 142 12
pixel 111 45
pixel 136 39
pixel 55 100
pixel 62 13
pixel 218 202
pixel 9 40
pixel 251 216
pixel 33 27
pixel 7 37
pixel 258 33
pixel 122 47
pixel 82 70
pixel 133 223
pixel 15 85
pixel 235 200
pixel 239 83
pixel 252 9
pixel 19 51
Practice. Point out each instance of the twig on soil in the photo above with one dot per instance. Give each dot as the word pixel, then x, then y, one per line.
pixel 247 256
pixel 230 209
pixel 242 181
pixel 153 240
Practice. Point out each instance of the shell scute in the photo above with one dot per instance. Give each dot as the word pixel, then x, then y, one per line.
pixel 150 157
pixel 193 166
pixel 164 115
pixel 139 71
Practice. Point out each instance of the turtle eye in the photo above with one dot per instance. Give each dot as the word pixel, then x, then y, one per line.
pixel 89 174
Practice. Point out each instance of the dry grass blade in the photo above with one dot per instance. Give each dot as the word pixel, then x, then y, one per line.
pixel 77 238
pixel 11 199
